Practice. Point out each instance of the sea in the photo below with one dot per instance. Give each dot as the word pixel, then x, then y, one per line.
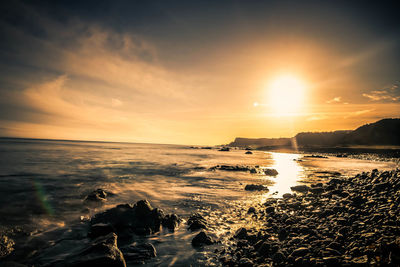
pixel 43 185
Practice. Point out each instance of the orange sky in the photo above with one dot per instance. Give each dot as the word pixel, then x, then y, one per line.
pixel 88 80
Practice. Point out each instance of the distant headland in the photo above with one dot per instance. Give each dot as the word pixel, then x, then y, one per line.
pixel 384 133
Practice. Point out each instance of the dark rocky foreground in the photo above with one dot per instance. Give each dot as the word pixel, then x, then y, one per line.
pixel 346 222
pixel 352 221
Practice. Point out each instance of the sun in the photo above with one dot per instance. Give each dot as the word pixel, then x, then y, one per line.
pixel 286 95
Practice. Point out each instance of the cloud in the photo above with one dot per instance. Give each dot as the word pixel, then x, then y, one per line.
pixel 358 113
pixel 388 94
pixel 334 100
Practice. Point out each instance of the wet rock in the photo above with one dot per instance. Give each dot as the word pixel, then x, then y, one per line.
pixel 251 210
pixel 315 156
pixel 271 172
pixel 300 188
pixel 248 152
pixel 171 221
pixel 270 209
pixel 196 222
pixel 102 252
pixel 202 239
pixel 317 190
pixel 278 257
pixel 360 261
pixel 97 195
pixel 6 246
pixel 255 187
pixel 245 262
pixel 283 234
pixel 138 253
pixel 241 233
pixel 140 218
pixel 299 252
pixel 100 229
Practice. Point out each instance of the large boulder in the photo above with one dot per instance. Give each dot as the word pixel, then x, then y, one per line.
pixel 139 218
pixel 102 252
pixel 196 222
pixel 202 239
pixel 171 221
pixel 138 253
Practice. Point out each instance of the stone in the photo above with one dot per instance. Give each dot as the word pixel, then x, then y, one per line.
pixel 283 234
pixel 255 187
pixel 139 252
pixel 251 210
pixel 196 222
pixel 248 152
pixel 140 218
pixel 300 252
pixel 171 221
pixel 300 188
pixel 241 233
pixel 271 172
pixel 100 229
pixel 245 262
pixel 102 252
pixel 6 246
pixel 97 195
pixel 202 239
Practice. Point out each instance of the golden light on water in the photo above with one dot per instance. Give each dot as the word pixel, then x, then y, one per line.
pixel 289 173
pixel 286 95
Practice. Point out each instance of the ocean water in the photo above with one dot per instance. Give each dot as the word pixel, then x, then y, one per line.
pixel 43 185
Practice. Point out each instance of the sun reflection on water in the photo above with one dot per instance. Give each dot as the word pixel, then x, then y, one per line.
pixel 289 173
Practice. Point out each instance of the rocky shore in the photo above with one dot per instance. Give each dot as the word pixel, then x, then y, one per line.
pixel 351 221
pixel 347 221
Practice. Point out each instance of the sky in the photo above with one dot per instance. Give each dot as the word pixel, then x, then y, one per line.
pixel 195 72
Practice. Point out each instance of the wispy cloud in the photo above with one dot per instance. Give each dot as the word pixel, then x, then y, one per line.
pixel 357 113
pixel 334 100
pixel 390 93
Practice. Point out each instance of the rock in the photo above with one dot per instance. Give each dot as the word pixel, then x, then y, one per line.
pixel 245 262
pixel 196 222
pixel 202 239
pixel 317 190
pixel 300 188
pixel 100 229
pixel 241 233
pixel 224 149
pixel 300 252
pixel 139 252
pixel 102 252
pixel 255 187
pixel 287 195
pixel 251 210
pixel 270 209
pixel 381 186
pixel 6 246
pixel 171 221
pixel 140 218
pixel 97 195
pixel 360 261
pixel 271 172
pixel 315 156
pixel 283 234
pixel 248 152
pixel 278 257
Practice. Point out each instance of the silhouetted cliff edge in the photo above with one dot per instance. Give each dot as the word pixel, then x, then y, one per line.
pixel 385 132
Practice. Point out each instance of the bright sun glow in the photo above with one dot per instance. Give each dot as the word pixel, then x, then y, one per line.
pixel 286 95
